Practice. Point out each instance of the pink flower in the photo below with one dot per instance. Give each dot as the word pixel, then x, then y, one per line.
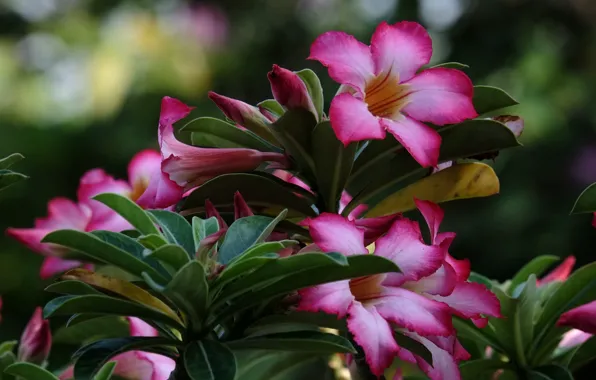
pixel 383 91
pixel 190 166
pixel 582 318
pixel 36 340
pixel 138 365
pixel 419 302
pixel 241 113
pixel 289 90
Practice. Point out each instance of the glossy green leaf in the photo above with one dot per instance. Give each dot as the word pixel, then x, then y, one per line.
pixel 452 65
pixel 302 317
pixel 72 287
pixel 201 228
pixel 414 347
pixel 92 246
pixel 92 330
pixel 209 360
pixel 550 372
pixel 315 90
pixel 273 365
pixel 6 359
pixel 8 177
pixel 333 164
pixel 29 371
pixel 263 248
pixel 481 369
pixel 10 160
pixel 584 354
pixel 189 291
pixel 586 202
pixel 175 229
pixel 487 99
pixel 245 233
pixel 106 372
pixel 503 328
pixel 8 346
pixel 130 211
pixel 215 133
pixel 537 267
pixel 68 305
pixel 304 341
pixel 259 190
pixel 243 268
pixel 524 316
pixel 172 255
pixel 91 358
pixel 152 241
pixel 272 106
pixel 294 131
pixel 484 336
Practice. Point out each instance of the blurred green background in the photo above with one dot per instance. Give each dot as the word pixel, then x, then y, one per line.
pixel 81 82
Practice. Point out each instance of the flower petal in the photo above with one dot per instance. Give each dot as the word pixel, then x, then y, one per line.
pixel 471 300
pixel 574 337
pixel 420 140
pixel 444 364
pixel 403 245
pixel 401 49
pixel 241 209
pixel 289 90
pixel 242 113
pixel 440 96
pixel 442 282
pixel 141 168
pixel 560 273
pixel 344 200
pixel 334 233
pixel 372 332
pixel 211 211
pixel 433 214
pixel 332 298
pixel 374 227
pixel 161 192
pixel 414 312
pixel 138 327
pixel 352 121
pixel 582 318
pixel 514 123
pixel 53 265
pixel 349 61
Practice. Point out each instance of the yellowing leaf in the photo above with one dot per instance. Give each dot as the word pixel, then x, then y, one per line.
pixel 122 288
pixel 468 180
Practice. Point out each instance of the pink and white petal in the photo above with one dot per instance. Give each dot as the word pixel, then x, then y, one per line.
pixel 472 300
pixel 64 213
pixel 332 298
pixel 31 238
pixel 462 267
pixel 573 338
pixel 161 193
pixel 582 318
pixel 374 227
pixel 433 214
pixel 414 312
pixel 289 90
pixel 400 49
pixel 480 322
pixel 110 222
pixel 241 113
pixel 291 178
pixel 172 110
pixel 440 96
pixel 352 121
pixel 349 61
pixel 403 245
pixel 444 364
pixel 53 265
pixel 344 200
pixel 241 209
pixel 441 283
pixel 133 365
pixel 420 140
pixel 372 332
pixel 560 273
pixel 162 365
pixel 142 166
pixel 334 233
pixel 138 327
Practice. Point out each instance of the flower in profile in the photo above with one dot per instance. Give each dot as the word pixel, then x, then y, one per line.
pixel 418 302
pixel 36 340
pixel 190 166
pixel 289 90
pixel 382 89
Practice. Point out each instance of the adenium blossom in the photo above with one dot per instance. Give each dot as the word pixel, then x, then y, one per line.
pixel 289 90
pixel 382 89
pixel 36 340
pixel 190 166
pixel 138 365
pixel 419 302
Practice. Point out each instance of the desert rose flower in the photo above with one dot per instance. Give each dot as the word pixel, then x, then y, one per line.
pixel 382 89
pixel 190 166
pixel 36 340
pixel 289 90
pixel 419 302
pixel 243 114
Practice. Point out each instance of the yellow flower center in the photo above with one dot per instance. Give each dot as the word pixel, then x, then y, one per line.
pixel 367 288
pixel 384 95
pixel 139 188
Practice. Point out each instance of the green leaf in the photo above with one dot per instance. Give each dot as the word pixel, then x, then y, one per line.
pixel 467 329
pixel 302 317
pixel 152 241
pixel 481 369
pixel 243 267
pixel 414 347
pixel 523 323
pixel 68 305
pixel 72 287
pixel 584 354
pixel 271 365
pixel 8 177
pixel 28 371
pixel 272 106
pixel 6 359
pixel 503 328
pixel 215 133
pixel 260 190
pixel 91 358
pixel 8 346
pixel 304 341
pixel 105 373
pixel 551 372
pixel 586 202
pixel 333 164
pixel 189 291
pixel 209 360
pixel 91 330
pixel 130 211
pixel 201 228
pixel 487 99
pixel 261 249
pixel 170 254
pixel 315 90
pixel 480 279
pixel 294 131
pixel 99 250
pixel 245 233
pixel 12 159
pixel 452 65
pixel 175 229
pixel 537 266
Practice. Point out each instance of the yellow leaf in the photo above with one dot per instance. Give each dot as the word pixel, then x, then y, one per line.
pixel 468 180
pixel 122 288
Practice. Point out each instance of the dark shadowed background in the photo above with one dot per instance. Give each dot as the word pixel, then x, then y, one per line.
pixel 81 82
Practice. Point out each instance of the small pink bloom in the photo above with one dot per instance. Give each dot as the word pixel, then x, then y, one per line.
pixel 241 113
pixel 190 166
pixel 36 340
pixel 582 318
pixel 574 337
pixel 382 90
pixel 560 273
pixel 289 90
pixel 419 302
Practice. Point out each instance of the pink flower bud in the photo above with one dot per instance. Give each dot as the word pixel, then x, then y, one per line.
pixel 36 340
pixel 289 90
